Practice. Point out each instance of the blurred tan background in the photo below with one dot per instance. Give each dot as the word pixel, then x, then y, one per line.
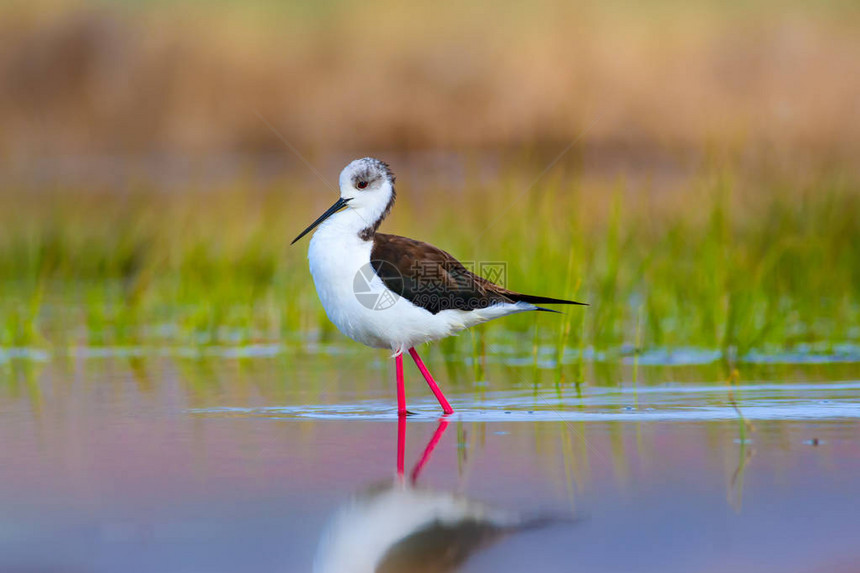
pixel 189 79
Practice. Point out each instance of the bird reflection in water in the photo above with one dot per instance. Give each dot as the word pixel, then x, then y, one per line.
pixel 401 527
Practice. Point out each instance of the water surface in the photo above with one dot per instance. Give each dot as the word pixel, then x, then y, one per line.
pixel 159 461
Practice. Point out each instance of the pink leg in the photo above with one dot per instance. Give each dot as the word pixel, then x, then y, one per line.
pixel 446 407
pixel 401 445
pixel 428 451
pixel 401 386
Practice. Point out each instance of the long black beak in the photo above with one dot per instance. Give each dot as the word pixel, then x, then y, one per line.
pixel 339 204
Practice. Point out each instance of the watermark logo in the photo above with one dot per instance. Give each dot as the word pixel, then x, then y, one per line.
pixel 494 271
pixel 371 292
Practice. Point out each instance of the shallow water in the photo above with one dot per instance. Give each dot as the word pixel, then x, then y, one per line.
pixel 119 460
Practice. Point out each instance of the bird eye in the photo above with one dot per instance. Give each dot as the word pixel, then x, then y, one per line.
pixel 361 184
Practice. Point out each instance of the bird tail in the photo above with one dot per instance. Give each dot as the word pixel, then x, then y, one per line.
pixel 533 299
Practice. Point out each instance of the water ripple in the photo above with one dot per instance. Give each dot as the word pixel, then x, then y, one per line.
pixel 672 403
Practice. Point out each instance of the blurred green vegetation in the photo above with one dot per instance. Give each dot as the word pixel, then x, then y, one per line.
pixel 731 129
pixel 722 262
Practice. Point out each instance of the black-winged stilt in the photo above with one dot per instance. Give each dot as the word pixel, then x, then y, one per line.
pixel 392 292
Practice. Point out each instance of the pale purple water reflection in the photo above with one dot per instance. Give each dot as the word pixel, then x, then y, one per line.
pixel 176 465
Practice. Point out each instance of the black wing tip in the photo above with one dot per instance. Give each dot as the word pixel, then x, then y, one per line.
pixel 532 299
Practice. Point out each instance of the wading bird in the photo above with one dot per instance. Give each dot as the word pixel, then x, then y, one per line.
pixel 392 292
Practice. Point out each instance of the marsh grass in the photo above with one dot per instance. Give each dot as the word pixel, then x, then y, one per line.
pixel 724 263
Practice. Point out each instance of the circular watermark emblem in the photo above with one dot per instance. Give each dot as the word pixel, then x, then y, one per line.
pixel 373 293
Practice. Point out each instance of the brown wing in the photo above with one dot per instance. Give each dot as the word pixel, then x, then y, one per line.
pixel 434 280
pixel 442 547
pixel 439 548
pixel 430 277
